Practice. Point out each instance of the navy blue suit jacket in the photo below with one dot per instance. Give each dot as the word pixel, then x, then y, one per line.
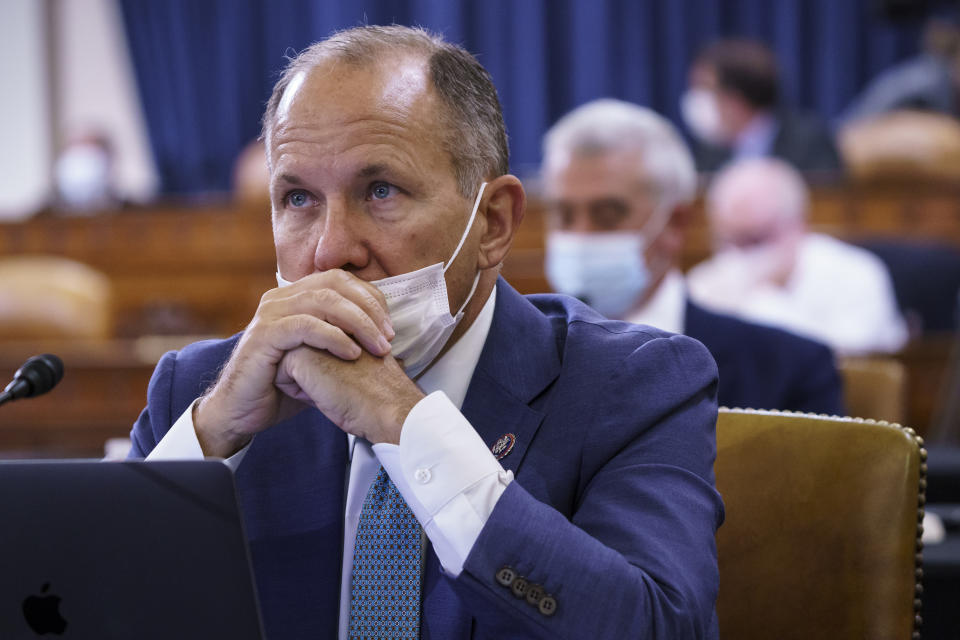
pixel 613 508
pixel 763 367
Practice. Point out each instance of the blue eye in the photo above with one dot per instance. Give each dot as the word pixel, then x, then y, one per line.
pixel 297 199
pixel 381 190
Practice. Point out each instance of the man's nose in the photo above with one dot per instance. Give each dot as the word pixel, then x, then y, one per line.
pixel 341 245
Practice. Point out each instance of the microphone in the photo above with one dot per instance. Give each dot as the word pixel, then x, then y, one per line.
pixel 38 375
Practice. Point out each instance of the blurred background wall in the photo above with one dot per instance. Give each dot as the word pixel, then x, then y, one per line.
pixel 25 131
pixel 65 67
pixel 205 68
pixel 179 85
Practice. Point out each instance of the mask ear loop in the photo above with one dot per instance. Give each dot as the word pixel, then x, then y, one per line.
pixel 456 252
pixel 466 232
pixel 658 223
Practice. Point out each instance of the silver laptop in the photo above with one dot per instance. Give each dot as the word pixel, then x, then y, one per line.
pixel 105 550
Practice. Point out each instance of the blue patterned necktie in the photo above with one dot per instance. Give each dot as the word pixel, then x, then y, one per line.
pixel 385 585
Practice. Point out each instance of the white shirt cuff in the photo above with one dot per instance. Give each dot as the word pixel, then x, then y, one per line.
pixel 181 443
pixel 447 475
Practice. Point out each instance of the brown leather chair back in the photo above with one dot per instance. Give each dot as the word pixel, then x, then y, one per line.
pixel 52 297
pixel 874 387
pixel 919 144
pixel 821 538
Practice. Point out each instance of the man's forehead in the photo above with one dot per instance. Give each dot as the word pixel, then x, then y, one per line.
pixel 621 171
pixel 747 211
pixel 294 86
pixel 334 86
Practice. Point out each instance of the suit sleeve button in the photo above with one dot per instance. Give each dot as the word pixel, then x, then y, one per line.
pixel 519 587
pixel 506 575
pixel 534 594
pixel 547 606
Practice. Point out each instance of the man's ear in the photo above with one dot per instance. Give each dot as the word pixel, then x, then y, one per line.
pixel 676 229
pixel 681 218
pixel 502 209
pixel 667 248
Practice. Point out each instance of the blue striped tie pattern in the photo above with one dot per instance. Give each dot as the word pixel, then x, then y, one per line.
pixel 385 584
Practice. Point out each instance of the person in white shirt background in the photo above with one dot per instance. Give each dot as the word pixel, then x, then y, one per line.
pixel 768 267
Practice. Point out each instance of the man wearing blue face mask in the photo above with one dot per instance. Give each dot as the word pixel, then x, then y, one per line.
pixel 618 182
pixel 420 451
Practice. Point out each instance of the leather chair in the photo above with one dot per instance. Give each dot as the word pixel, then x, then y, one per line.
pixel 874 387
pixel 902 144
pixel 822 531
pixel 52 297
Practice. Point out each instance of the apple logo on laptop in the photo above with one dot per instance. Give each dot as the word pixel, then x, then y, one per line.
pixel 42 612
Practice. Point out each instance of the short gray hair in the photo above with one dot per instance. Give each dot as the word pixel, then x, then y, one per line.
pixel 474 135
pixel 607 126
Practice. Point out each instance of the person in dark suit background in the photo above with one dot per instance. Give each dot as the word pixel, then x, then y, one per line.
pixel 734 109
pixel 558 464
pixel 618 182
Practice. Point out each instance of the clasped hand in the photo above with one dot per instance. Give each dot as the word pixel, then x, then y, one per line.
pixel 323 341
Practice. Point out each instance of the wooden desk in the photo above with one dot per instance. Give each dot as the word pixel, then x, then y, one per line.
pixel 103 390
pixel 173 269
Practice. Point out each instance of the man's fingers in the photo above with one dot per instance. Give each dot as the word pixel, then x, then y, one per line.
pixel 363 294
pixel 297 330
pixel 332 307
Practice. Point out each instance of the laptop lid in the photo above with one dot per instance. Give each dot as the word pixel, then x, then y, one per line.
pixel 134 549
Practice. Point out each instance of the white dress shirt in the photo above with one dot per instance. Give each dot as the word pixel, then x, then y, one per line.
pixel 441 467
pixel 837 293
pixel 667 307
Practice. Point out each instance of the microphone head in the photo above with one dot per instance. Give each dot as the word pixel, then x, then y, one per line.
pixel 41 373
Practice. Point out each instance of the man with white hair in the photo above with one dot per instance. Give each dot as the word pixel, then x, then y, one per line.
pixel 618 182
pixel 769 268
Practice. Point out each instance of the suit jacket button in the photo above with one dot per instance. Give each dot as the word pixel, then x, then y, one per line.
pixel 547 606
pixel 519 587
pixel 506 575
pixel 534 594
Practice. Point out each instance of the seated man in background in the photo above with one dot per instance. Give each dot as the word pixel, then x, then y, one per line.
pixel 734 109
pixel 559 464
pixel 618 182
pixel 769 268
pixel 929 81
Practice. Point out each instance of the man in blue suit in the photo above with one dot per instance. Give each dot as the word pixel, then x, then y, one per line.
pixel 419 450
pixel 618 182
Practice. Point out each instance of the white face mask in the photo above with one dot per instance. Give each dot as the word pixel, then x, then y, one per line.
pixel 420 309
pixel 83 176
pixel 702 115
pixel 607 270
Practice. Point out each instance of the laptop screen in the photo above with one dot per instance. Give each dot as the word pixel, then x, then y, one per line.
pixel 132 549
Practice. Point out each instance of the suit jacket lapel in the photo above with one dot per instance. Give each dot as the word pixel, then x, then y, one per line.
pixel 519 360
